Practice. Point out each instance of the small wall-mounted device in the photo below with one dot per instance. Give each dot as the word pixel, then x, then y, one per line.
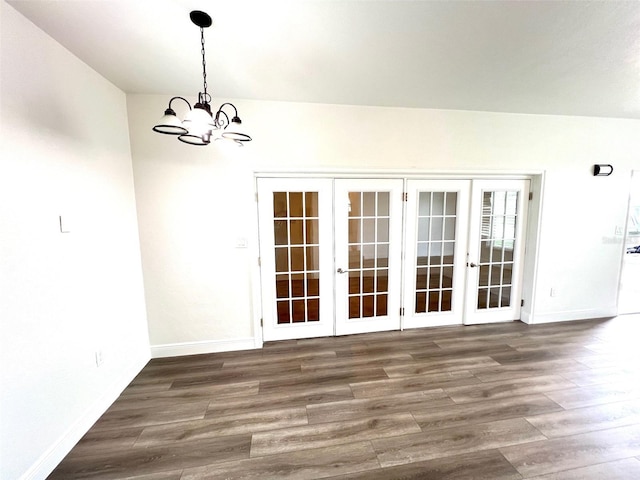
pixel 602 170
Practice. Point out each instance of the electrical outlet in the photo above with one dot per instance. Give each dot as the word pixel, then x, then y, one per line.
pixel 99 358
pixel 553 292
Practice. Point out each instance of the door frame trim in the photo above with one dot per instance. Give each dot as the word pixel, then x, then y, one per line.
pixel 533 233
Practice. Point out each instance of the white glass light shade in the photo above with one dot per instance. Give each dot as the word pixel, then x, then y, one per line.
pixel 199 119
pixel 192 139
pixel 196 136
pixel 170 124
pixel 234 131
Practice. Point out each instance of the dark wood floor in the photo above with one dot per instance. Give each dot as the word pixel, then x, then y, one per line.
pixel 502 401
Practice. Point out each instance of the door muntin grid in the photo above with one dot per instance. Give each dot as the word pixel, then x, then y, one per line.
pixel 368 254
pixel 435 251
pixel 497 243
pixel 297 253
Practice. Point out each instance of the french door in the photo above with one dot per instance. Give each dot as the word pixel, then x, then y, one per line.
pixel 296 239
pixel 368 248
pixel 330 255
pixel 496 250
pixel 464 247
pixel 344 256
pixel 436 247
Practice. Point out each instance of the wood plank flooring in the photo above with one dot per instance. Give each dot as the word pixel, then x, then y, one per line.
pixel 495 402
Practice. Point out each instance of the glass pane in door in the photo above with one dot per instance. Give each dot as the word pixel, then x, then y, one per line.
pixel 296 250
pixel 497 242
pixel 368 254
pixel 436 242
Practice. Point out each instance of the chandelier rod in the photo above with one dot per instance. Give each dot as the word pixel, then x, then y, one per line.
pixel 204 65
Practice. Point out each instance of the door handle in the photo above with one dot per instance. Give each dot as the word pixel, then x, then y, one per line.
pixel 340 270
pixel 472 265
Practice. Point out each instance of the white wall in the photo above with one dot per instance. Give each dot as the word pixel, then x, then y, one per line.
pixel 192 210
pixel 64 151
pixel 194 202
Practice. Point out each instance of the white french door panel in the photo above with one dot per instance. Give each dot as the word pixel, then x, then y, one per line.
pixel 296 241
pixel 368 250
pixel 497 224
pixel 435 252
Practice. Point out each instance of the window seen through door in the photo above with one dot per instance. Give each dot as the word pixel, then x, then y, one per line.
pixel 497 242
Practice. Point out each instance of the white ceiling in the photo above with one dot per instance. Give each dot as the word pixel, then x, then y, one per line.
pixel 549 57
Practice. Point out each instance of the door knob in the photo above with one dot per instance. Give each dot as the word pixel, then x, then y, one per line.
pixel 472 265
pixel 340 270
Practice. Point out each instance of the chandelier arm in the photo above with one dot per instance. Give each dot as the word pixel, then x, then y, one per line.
pixel 235 110
pixel 180 98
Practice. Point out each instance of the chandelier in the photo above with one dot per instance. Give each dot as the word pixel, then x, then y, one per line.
pixel 200 125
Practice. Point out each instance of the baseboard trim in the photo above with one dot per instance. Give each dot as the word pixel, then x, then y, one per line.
pixel 50 459
pixel 210 346
pixel 571 315
pixel 525 317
